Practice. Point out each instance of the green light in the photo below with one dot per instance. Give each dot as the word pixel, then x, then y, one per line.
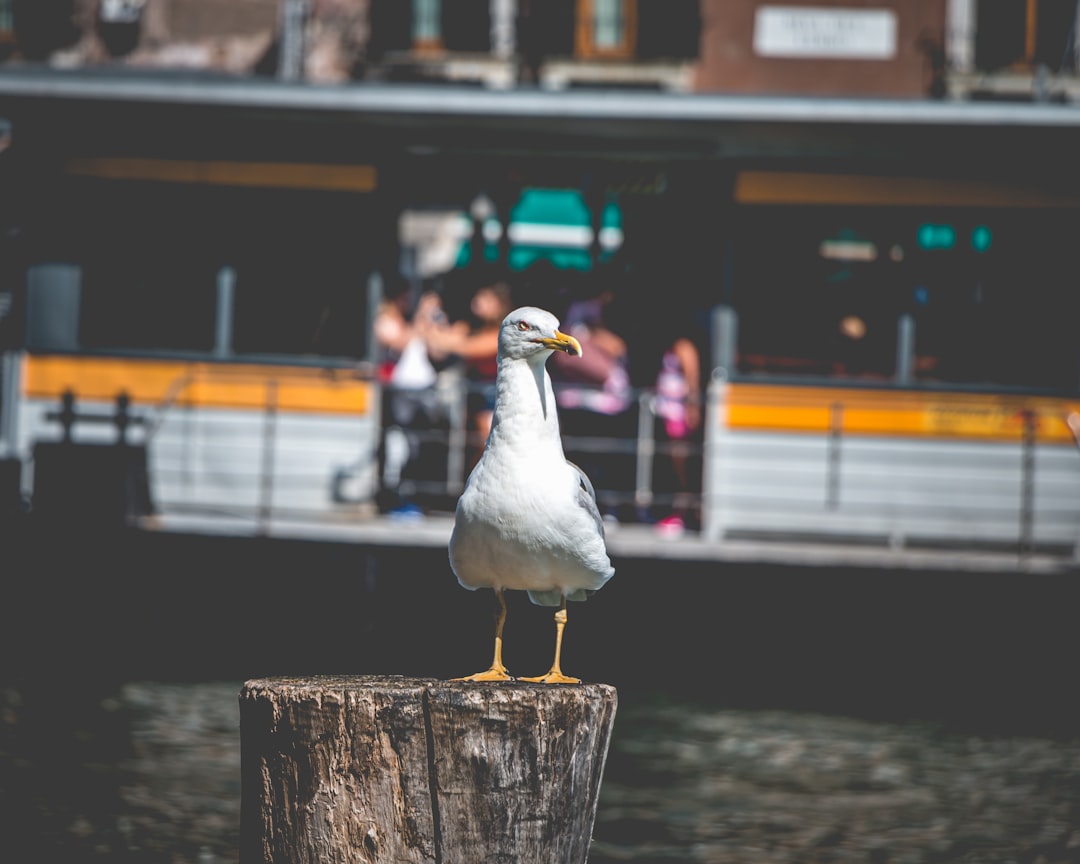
pixel 936 236
pixel 981 238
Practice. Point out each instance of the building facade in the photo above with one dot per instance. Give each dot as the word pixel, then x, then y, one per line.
pixel 1003 49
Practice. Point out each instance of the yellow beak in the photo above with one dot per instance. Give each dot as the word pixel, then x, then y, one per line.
pixel 562 342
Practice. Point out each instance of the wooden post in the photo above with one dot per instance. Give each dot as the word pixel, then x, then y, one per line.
pixel 389 769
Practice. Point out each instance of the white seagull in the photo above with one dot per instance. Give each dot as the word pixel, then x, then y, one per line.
pixel 528 519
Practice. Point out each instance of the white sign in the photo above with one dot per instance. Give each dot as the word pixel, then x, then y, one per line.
pixel 815 31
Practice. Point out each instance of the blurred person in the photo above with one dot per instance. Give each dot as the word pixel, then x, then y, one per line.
pixel 475 342
pixel 594 393
pixel 410 402
pixel 605 377
pixel 678 412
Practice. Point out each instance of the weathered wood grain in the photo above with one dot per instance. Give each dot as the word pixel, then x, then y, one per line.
pixel 386 769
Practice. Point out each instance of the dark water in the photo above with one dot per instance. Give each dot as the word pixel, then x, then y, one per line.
pixel 766 714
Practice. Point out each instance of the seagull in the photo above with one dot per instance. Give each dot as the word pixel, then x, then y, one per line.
pixel 527 519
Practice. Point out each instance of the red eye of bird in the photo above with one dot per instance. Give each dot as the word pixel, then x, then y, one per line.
pixel 523 325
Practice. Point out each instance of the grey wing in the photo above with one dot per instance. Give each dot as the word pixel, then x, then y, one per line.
pixel 586 498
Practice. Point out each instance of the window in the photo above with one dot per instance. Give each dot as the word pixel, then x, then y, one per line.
pixel 146 261
pixel 606 28
pixel 7 23
pixel 609 25
pixel 820 292
pixel 668 29
pixel 1024 34
pixel 148 270
pixel 816 295
pixel 300 277
pixel 38 27
pixel 427 25
pixel 993 309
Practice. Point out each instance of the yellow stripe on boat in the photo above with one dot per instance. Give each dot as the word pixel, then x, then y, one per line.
pixel 226 385
pixel 899 413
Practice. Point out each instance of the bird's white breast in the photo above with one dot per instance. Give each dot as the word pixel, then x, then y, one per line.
pixel 518 526
pixel 520 522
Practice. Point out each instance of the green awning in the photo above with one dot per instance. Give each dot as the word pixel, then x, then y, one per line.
pixel 553 225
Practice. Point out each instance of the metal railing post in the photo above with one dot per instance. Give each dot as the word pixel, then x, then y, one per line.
pixel 832 475
pixel 646 450
pixel 266 484
pixel 457 440
pixel 225 311
pixel 1027 482
pixel 905 349
pixel 10 402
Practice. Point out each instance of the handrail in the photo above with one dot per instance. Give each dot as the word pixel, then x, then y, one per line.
pixel 640 448
pixel 908 467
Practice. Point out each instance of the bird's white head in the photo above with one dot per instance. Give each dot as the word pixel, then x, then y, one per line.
pixel 532 332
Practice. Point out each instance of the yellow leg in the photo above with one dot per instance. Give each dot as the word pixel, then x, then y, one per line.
pixel 555 675
pixel 497 672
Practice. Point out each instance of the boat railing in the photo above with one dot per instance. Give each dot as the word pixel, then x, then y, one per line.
pixel 627 461
pixel 904 470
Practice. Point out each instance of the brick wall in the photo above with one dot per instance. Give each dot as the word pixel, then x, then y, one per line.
pixel 731 62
